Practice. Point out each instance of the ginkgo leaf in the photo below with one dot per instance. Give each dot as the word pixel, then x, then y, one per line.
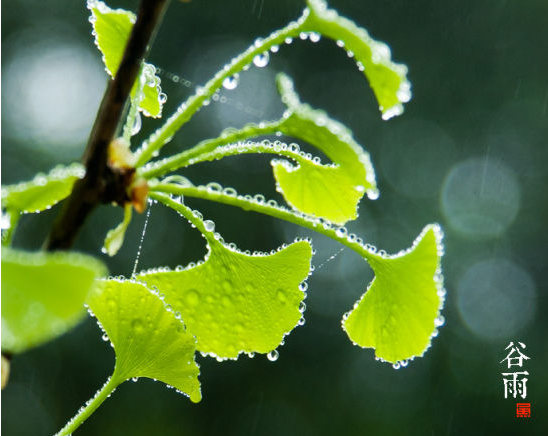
pixel 387 79
pixel 43 295
pixel 115 237
pixel 42 192
pixel 235 302
pixel 397 314
pixel 111 28
pixel 330 191
pixel 148 338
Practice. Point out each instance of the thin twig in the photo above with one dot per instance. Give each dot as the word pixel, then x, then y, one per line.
pixel 101 184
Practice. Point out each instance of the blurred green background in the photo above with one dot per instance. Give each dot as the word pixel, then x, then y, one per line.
pixel 470 152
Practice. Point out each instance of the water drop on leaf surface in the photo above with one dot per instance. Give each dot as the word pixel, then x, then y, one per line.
pixel 273 355
pixel 261 60
pixel 136 127
pixel 231 82
pixel 209 225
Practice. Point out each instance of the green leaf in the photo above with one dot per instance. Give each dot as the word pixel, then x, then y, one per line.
pixel 148 338
pixel 43 295
pixel 235 302
pixel 399 312
pixel 151 101
pixel 387 79
pixel 330 191
pixel 115 237
pixel 42 192
pixel 111 28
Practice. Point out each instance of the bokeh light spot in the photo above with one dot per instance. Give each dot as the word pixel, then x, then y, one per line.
pixel 52 89
pixel 480 198
pixel 496 298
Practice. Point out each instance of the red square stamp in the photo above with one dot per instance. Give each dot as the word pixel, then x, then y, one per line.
pixel 523 410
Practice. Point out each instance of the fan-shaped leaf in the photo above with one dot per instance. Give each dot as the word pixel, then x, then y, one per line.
pixel 149 340
pixel 42 192
pixel 43 295
pixel 387 79
pixel 235 302
pixel 397 314
pixel 112 28
pixel 328 191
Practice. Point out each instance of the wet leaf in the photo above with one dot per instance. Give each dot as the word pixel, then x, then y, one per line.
pixel 330 191
pixel 43 295
pixel 397 314
pixel 112 28
pixel 42 192
pixel 115 237
pixel 387 79
pixel 235 302
pixel 148 339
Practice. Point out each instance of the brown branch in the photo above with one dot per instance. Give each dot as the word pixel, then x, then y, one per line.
pixel 101 184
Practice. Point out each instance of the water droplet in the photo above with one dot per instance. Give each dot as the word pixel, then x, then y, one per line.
pixel 136 127
pixel 214 187
pixel 231 82
pixel 162 98
pixel 303 35
pixel 261 60
pixel 151 81
pixel 275 48
pixel 341 232
pixel 302 307
pixel 288 40
pixel 439 321
pixel 227 302
pixel 303 286
pixel 314 37
pixel 5 223
pixel 273 355
pixel 392 112
pixel 192 297
pixel 137 326
pixel 373 194
pixel 134 379
pixel 294 148
pixel 209 225
pixel 231 192
pixel 105 337
pixel 396 365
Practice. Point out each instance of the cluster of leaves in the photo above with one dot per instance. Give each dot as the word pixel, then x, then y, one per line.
pixel 231 302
